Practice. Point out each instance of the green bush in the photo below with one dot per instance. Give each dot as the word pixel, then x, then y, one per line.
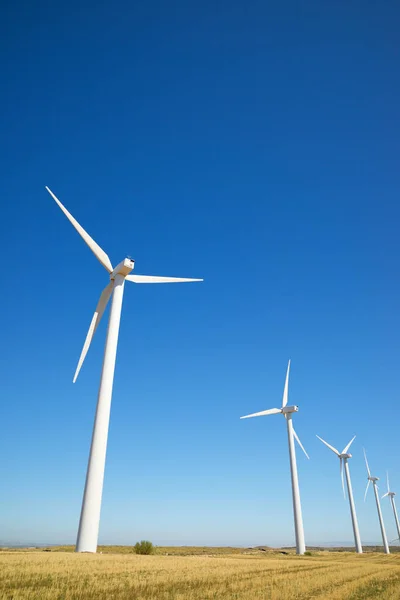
pixel 308 553
pixel 144 547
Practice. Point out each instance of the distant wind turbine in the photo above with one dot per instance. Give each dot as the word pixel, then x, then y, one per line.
pixel 391 495
pixel 344 456
pixel 287 412
pixel 378 504
pixel 91 504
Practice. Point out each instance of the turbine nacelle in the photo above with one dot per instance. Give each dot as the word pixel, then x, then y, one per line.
pixel 290 409
pixel 124 268
pixel 373 479
pixel 346 455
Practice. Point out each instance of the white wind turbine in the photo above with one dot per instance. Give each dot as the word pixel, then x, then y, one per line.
pixel 287 412
pixel 344 457
pixel 378 504
pixel 391 495
pixel 91 504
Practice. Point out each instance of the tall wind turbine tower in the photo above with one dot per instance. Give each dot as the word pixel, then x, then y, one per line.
pixel 344 457
pixel 91 504
pixel 378 504
pixel 287 412
pixel 391 495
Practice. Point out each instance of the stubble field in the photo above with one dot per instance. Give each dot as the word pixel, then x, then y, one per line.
pixel 202 576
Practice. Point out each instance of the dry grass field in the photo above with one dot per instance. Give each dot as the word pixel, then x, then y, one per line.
pixel 204 575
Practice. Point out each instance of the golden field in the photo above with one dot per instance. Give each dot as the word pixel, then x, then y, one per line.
pixel 203 575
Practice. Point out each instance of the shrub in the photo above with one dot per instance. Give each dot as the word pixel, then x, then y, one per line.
pixel 144 547
pixel 308 553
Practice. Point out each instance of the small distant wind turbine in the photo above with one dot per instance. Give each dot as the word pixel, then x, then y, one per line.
pixel 344 457
pixel 391 495
pixel 378 504
pixel 91 504
pixel 287 412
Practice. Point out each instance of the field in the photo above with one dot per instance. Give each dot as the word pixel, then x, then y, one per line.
pixel 197 574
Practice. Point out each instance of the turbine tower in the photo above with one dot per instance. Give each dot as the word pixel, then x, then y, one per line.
pixel 287 412
pixel 344 457
pixel 378 504
pixel 391 495
pixel 91 504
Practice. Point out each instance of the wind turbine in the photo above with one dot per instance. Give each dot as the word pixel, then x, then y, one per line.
pixel 344 457
pixel 378 504
pixel 91 504
pixel 287 412
pixel 391 496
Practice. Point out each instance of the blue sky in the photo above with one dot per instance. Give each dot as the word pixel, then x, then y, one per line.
pixel 253 144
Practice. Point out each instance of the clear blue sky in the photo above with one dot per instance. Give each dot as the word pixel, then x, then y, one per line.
pixel 253 144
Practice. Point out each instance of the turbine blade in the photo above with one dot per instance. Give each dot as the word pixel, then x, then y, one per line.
pixel 271 411
pixel 342 477
pixel 154 279
pixel 344 451
pixel 95 248
pixel 329 446
pixel 100 308
pixel 366 490
pixel 366 464
pixel 286 388
pixel 299 443
pixel 384 495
